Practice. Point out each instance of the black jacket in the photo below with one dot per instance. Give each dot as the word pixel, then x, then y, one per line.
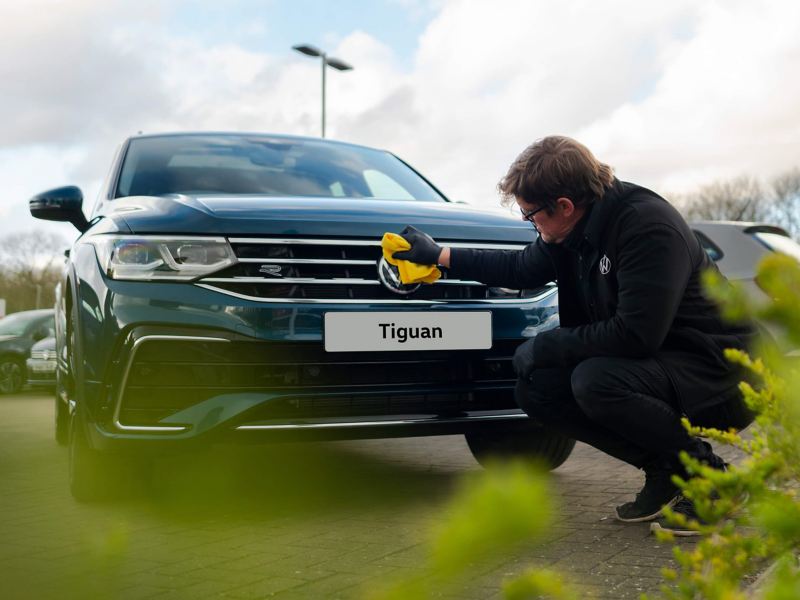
pixel 629 285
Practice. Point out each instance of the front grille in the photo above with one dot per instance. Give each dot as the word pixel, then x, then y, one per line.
pixel 167 376
pixel 297 270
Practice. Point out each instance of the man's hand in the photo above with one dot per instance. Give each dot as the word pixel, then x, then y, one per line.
pixel 424 251
pixel 523 359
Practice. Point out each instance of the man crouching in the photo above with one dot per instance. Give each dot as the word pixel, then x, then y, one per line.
pixel 639 344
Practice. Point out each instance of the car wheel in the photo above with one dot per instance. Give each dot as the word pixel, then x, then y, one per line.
pixel 535 443
pixel 92 475
pixel 96 476
pixel 61 420
pixel 89 470
pixel 11 376
pixel 61 410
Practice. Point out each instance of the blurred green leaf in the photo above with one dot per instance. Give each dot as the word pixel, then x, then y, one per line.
pixel 779 514
pixel 538 584
pixel 492 512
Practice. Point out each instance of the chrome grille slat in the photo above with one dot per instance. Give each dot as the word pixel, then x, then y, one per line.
pixel 315 300
pixel 307 261
pixel 285 280
pixel 311 281
pixel 304 242
pixel 375 243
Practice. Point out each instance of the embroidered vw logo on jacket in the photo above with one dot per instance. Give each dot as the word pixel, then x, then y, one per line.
pixel 605 265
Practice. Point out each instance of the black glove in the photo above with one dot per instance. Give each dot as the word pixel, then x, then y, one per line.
pixel 523 359
pixel 424 251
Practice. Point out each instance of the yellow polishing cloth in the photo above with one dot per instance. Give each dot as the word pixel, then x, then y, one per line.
pixel 409 272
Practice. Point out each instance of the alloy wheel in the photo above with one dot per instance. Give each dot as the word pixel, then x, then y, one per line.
pixel 10 377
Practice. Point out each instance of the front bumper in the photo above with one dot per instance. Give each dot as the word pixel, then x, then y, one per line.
pixel 169 363
pixel 41 373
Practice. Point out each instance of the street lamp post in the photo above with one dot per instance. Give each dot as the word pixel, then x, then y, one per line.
pixel 327 61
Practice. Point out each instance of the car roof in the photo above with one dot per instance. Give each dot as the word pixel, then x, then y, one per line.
pixel 279 136
pixel 39 312
pixel 48 341
pixel 738 224
pixel 744 226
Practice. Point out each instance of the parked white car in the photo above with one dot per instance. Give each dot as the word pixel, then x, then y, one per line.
pixel 738 247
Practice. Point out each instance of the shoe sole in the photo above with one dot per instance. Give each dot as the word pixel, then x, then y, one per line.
pixel 651 517
pixel 654 527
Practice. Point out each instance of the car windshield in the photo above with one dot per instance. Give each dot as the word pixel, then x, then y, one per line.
pixel 265 166
pixel 779 243
pixel 15 324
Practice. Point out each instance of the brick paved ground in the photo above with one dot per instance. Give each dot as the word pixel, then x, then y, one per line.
pixel 323 520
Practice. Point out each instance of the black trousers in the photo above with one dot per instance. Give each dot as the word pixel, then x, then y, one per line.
pixel 626 408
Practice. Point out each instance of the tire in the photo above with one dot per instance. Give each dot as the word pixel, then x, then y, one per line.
pixel 61 410
pixel 535 443
pixel 61 420
pixel 12 376
pixel 91 474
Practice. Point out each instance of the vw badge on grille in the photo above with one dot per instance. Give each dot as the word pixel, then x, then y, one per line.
pixel 390 278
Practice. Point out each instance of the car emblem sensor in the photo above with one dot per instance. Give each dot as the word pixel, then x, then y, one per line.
pixel 390 278
pixel 274 270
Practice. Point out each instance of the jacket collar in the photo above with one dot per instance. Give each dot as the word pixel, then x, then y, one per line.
pixel 575 238
pixel 602 211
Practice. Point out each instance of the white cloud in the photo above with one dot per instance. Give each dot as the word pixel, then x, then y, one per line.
pixel 671 94
pixel 21 166
pixel 726 103
pixel 489 78
pixel 64 77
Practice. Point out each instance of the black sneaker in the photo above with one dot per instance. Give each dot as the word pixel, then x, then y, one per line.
pixel 658 492
pixel 685 508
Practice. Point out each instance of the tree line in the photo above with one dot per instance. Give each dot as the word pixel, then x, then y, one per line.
pixel 775 201
pixel 32 263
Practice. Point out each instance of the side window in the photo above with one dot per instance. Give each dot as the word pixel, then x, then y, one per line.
pixel 337 191
pixel 42 328
pixel 126 177
pixel 714 252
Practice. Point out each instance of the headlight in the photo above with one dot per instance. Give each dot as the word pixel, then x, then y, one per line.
pixel 162 258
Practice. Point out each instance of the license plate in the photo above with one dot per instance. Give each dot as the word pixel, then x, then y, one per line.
pixel 48 367
pixel 392 331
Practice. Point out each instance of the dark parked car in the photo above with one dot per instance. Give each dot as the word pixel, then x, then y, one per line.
pixel 18 332
pixel 231 286
pixel 42 363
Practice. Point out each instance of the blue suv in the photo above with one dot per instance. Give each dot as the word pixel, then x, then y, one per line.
pixel 231 285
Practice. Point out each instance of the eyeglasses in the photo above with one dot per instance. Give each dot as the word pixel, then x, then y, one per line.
pixel 529 214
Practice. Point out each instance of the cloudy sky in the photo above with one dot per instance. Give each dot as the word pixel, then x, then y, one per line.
pixel 672 94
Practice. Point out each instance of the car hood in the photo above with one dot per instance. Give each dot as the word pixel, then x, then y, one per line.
pixel 45 344
pixel 363 217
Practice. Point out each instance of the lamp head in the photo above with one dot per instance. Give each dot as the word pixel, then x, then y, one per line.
pixel 307 50
pixel 339 65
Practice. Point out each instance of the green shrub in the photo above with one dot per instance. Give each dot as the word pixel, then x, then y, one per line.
pixel 492 514
pixel 753 509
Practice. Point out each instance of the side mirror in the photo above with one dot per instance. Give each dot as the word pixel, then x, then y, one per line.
pixel 60 204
